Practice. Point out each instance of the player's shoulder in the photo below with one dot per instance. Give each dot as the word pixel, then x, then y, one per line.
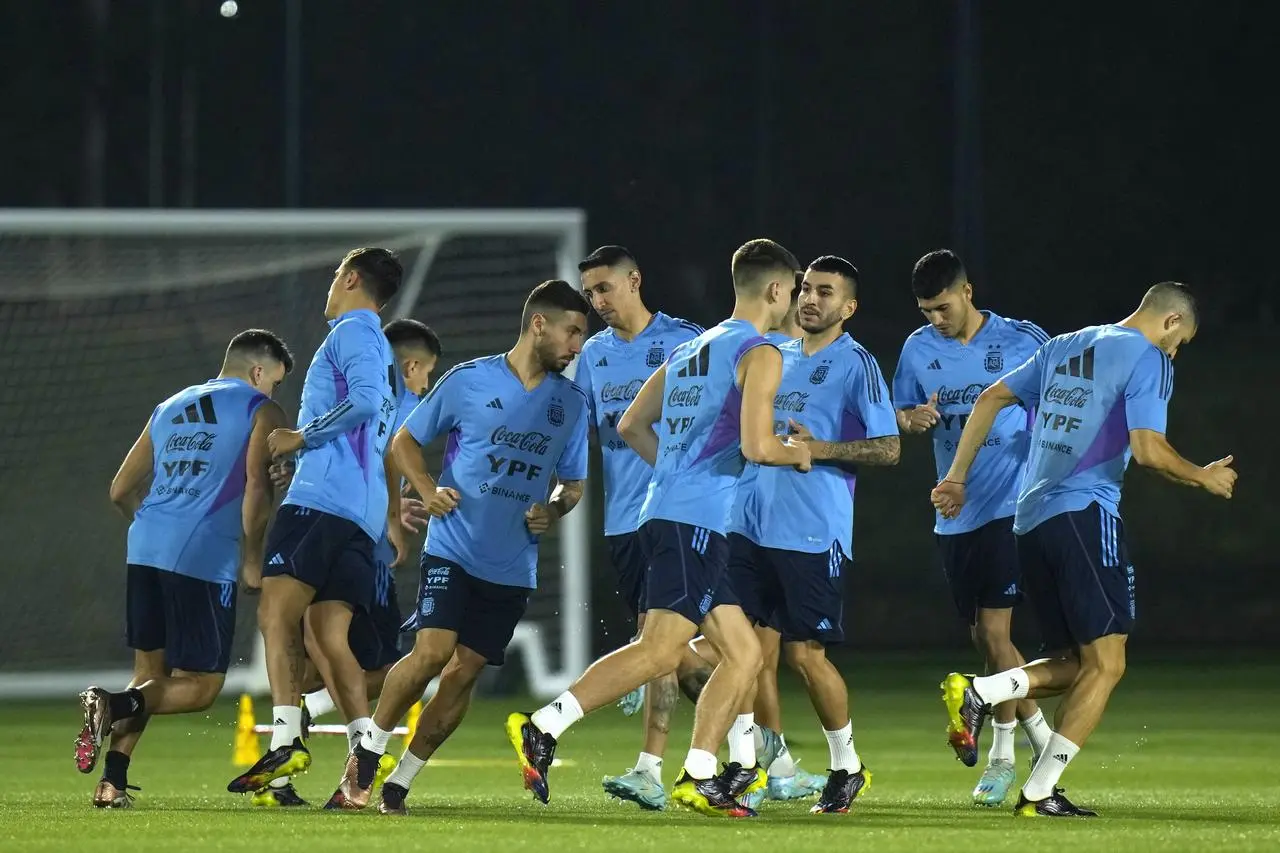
pixel 1021 328
pixel 858 356
pixel 562 384
pixel 923 337
pixel 667 324
pixel 465 371
pixel 604 337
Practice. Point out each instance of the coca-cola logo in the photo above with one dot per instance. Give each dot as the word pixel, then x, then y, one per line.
pixel 792 401
pixel 611 393
pixel 687 397
pixel 190 442
pixel 966 396
pixel 1074 396
pixel 529 442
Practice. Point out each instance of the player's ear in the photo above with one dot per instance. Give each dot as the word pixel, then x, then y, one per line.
pixel 634 278
pixel 850 308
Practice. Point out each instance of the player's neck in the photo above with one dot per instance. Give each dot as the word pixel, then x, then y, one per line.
pixel 525 364
pixel 234 374
pixel 1150 329
pixel 972 326
pixel 632 326
pixel 818 341
pixel 356 304
pixel 754 311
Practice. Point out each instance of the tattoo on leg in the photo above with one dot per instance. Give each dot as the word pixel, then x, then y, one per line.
pixel 664 702
pixel 692 683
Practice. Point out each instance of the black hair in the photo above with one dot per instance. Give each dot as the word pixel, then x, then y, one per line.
pixel 837 265
pixel 411 332
pixel 379 270
pixel 260 343
pixel 608 256
pixel 936 272
pixel 760 258
pixel 551 296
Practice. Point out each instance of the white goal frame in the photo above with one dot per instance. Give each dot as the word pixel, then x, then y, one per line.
pixel 546 678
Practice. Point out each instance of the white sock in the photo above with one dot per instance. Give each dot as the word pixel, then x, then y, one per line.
pixel 1003 686
pixel 356 728
pixel 1001 742
pixel 375 739
pixel 843 754
pixel 784 766
pixel 555 718
pixel 742 741
pixel 319 703
pixel 1038 732
pixel 406 770
pixel 286 725
pixel 1044 778
pixel 700 764
pixel 651 764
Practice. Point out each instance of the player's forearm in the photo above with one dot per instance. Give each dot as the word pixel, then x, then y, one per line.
pixel 773 452
pixel 408 462
pixel 361 404
pixel 1159 456
pixel 642 439
pixel 392 472
pixel 566 497
pixel 884 450
pixel 255 516
pixel 975 433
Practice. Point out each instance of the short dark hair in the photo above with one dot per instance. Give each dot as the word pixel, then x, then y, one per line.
pixel 1171 296
pixel 379 270
pixel 406 331
pixel 551 296
pixel 836 265
pixel 608 256
pixel 935 272
pixel 756 259
pixel 260 343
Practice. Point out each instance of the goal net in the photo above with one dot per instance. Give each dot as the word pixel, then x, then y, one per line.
pixel 105 313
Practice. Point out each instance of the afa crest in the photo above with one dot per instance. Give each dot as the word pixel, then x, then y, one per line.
pixel 819 374
pixel 555 413
pixel 654 357
pixel 995 361
pixel 428 606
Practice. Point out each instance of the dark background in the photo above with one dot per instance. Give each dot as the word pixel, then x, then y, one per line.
pixel 1073 153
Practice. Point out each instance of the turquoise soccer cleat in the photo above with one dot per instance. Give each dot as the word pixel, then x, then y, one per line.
pixel 638 787
pixel 995 783
pixel 633 702
pixel 802 784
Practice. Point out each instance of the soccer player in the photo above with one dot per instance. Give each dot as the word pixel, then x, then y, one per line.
pixel 194 487
pixel 943 367
pixel 320 553
pixel 712 403
pixel 791 539
pixel 1101 395
pixel 374 635
pixel 514 422
pixel 613 366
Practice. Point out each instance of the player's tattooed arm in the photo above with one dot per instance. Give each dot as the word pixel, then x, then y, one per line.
pixel 884 450
pixel 566 497
pixel 128 487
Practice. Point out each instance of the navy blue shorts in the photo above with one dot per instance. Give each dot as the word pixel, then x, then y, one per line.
pixel 631 567
pixel 330 554
pixel 796 593
pixel 686 565
pixel 1078 577
pixel 483 614
pixel 193 620
pixel 982 568
pixel 374 635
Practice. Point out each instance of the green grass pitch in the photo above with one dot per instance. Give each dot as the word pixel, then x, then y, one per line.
pixel 1188 758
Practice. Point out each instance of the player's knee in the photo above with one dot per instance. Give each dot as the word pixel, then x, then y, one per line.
pixel 665 652
pixel 805 659
pixel 206 686
pixel 463 670
pixel 746 657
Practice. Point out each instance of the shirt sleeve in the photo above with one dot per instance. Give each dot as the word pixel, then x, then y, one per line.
pixel 1025 380
pixel 573 459
pixel 907 391
pixel 438 412
pixel 1146 397
pixel 582 378
pixel 870 397
pixel 356 352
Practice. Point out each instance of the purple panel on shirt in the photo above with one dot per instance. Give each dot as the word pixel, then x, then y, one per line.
pixel 356 437
pixel 451 448
pixel 727 429
pixel 232 487
pixel 851 429
pixel 1110 442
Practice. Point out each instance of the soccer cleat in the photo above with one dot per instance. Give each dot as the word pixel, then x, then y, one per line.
pixel 282 761
pixel 108 796
pixel 743 781
pixel 802 784
pixel 536 750
pixel 639 787
pixel 1054 805
pixel 97 722
pixel 966 715
pixel 356 786
pixel 772 746
pixel 995 783
pixel 392 800
pixel 707 796
pixel 272 798
pixel 842 789
pixel 633 702
pixel 386 764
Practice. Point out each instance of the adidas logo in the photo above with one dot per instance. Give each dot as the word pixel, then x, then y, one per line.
pixel 559 706
pixel 277 722
pixel 1080 366
pixel 276 560
pixel 1013 682
pixel 935 365
pixel 1012 589
pixel 1061 756
pixel 495 403
pixel 604 362
pixel 824 625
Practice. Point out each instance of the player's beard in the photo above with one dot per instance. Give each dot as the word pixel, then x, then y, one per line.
pixel 550 359
pixel 817 325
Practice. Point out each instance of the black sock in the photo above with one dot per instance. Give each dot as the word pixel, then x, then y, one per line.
pixel 116 770
pixel 128 704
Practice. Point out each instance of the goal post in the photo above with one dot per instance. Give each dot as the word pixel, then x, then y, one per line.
pixel 104 313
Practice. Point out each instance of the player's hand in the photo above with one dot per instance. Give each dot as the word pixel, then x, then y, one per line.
pixel 801 449
pixel 281 472
pixel 921 418
pixel 1220 478
pixel 948 498
pixel 798 431
pixel 251 577
pixel 443 502
pixel 282 442
pixel 538 519
pixel 413 515
pixel 398 539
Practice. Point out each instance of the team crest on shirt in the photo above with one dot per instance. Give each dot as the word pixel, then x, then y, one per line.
pixel 819 374
pixel 555 413
pixel 655 356
pixel 428 606
pixel 995 361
